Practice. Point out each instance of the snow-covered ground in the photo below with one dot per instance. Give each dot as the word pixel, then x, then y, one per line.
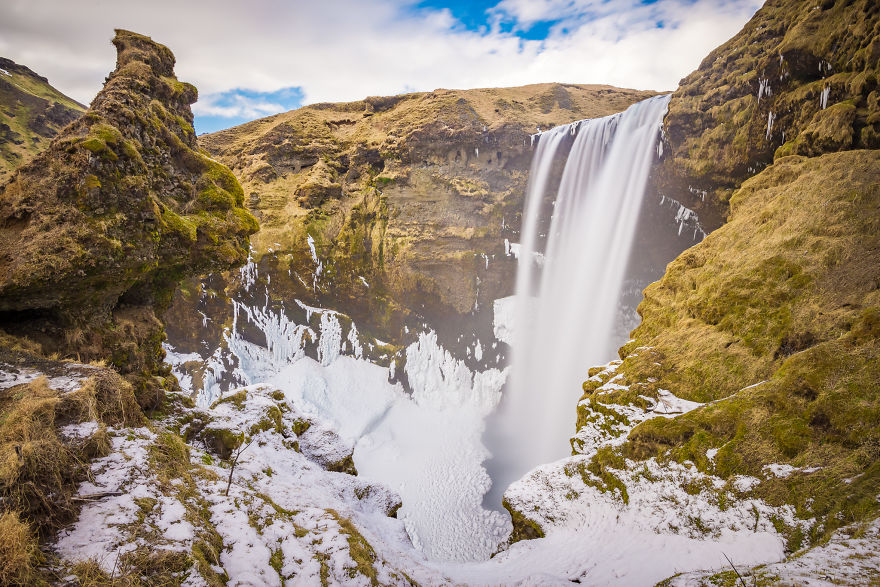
pixel 292 516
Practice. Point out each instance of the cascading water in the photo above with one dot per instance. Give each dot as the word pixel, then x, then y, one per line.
pixel 567 299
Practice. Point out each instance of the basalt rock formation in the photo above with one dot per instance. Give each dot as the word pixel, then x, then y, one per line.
pixel 31 113
pixel 97 231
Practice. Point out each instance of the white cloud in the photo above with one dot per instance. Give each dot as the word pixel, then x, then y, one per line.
pixel 347 49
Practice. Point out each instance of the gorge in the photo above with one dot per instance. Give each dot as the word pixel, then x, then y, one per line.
pixel 639 346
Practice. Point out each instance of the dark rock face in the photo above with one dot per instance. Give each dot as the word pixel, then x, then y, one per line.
pixel 96 232
pixel 799 79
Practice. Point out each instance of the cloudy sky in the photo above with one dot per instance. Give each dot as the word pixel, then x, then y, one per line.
pixel 258 57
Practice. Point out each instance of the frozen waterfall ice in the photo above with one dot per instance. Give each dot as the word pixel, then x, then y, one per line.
pixel 566 308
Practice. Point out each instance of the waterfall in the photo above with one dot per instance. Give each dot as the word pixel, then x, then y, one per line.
pixel 566 306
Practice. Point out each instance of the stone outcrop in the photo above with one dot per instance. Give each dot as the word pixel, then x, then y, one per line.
pixel 97 231
pixel 799 79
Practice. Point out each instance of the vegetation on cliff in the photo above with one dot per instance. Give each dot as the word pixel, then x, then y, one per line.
pixel 799 79
pixel 406 198
pixel 31 113
pixel 96 232
pixel 772 321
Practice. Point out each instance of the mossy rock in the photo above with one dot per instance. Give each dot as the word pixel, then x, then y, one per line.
pixel 221 441
pixel 523 527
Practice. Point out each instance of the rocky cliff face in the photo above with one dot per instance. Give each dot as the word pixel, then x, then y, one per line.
pixel 771 321
pixel 399 205
pixel 799 79
pixel 31 113
pixel 96 232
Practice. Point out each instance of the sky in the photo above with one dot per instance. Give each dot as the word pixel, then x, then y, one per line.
pixel 255 58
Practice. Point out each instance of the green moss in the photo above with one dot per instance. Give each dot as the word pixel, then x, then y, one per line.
pixel 359 549
pixel 271 421
pixel 300 426
pixel 212 197
pixel 523 527
pixel 93 144
pixel 179 225
pixel 106 133
pixel 236 399
pixel 222 440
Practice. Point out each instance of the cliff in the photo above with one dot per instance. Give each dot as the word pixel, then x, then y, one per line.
pixel 95 234
pixel 799 79
pixel 763 337
pixel 405 198
pixel 97 230
pixel 31 113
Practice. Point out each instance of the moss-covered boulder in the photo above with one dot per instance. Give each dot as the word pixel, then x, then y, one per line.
pixel 96 232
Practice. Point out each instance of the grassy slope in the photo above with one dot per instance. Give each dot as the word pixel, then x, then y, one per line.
pixel 33 112
pixel 775 320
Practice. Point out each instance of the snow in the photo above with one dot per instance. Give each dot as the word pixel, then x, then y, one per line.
pixel 684 216
pixel 426 447
pixel 504 312
pixel 778 470
pixel 784 470
pixel 849 558
pixel 99 532
pixel 4 72
pixel 745 483
pixel 764 88
pixel 74 377
pixel 668 404
pixel 79 431
pixel 318 266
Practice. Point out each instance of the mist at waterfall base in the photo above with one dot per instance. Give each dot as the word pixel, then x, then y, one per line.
pixel 574 255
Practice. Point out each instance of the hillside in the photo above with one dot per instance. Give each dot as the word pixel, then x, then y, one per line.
pixel 407 193
pixel 31 113
pixel 187 401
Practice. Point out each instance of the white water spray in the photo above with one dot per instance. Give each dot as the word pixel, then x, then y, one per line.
pixel 566 310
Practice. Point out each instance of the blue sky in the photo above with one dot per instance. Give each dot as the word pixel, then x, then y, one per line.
pixel 254 59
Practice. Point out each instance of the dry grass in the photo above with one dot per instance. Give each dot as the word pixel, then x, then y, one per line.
pixel 40 469
pixel 18 551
